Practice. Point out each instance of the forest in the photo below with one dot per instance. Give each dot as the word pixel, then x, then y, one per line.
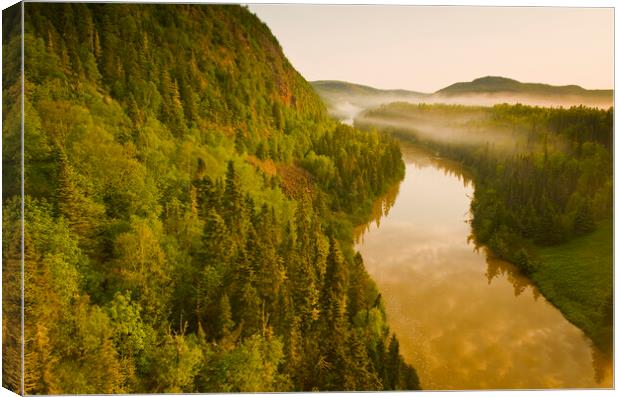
pixel 544 180
pixel 188 211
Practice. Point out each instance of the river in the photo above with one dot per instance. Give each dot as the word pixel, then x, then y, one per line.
pixel 465 320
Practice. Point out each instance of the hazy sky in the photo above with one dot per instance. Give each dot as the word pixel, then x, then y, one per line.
pixel 427 48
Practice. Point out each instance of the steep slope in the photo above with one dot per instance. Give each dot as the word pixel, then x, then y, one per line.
pixel 188 211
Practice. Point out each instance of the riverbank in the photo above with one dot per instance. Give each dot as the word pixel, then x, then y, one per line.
pixel 577 278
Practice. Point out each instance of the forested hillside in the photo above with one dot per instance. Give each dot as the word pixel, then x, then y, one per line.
pixel 544 182
pixel 188 213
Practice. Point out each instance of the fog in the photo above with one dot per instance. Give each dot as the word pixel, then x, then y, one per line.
pixel 444 131
pixel 490 99
pixel 345 111
pixel 461 126
pixel 347 106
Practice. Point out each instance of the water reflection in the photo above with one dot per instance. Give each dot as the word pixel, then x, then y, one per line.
pixel 498 268
pixel 603 367
pixel 380 209
pixel 465 319
pixel 422 158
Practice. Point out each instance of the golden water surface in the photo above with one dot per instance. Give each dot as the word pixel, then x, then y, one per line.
pixel 463 319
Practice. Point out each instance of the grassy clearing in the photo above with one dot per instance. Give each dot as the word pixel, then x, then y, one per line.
pixel 577 277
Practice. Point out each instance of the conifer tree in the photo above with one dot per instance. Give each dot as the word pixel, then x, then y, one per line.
pixel 226 323
pixel 81 212
pixel 584 218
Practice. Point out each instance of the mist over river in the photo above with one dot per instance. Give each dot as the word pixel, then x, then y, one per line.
pixel 464 319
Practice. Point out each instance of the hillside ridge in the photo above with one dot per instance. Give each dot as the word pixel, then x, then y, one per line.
pixel 486 83
pixel 188 213
pixel 492 84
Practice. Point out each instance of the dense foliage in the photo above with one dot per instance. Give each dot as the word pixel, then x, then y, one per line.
pixel 188 211
pixel 543 175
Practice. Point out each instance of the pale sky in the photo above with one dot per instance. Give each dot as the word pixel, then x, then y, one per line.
pixel 427 48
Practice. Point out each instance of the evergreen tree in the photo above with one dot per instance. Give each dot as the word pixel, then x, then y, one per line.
pixel 82 214
pixel 584 218
pixel 225 321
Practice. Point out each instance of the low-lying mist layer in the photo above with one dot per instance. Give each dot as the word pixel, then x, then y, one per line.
pixel 347 100
pixel 483 127
pixel 490 99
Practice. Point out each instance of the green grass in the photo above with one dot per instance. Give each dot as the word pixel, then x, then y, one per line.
pixel 577 277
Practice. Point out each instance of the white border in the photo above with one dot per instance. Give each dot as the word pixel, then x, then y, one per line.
pixel 523 3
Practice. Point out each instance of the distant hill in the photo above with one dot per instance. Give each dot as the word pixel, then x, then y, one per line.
pixel 344 100
pixel 497 85
pixel 346 88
